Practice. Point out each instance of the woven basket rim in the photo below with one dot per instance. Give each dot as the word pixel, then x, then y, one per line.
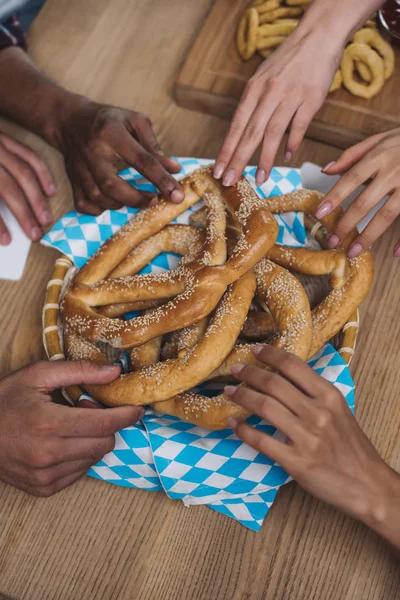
pixel 52 329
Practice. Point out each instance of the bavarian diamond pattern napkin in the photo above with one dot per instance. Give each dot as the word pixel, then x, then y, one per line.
pixel 161 453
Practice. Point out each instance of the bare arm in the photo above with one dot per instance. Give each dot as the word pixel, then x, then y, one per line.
pixel 290 87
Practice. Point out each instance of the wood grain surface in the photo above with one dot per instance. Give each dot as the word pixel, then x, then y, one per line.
pixel 95 541
pixel 213 78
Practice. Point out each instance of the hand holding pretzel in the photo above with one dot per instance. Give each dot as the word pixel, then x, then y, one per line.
pixel 44 447
pixel 327 453
pixel 375 160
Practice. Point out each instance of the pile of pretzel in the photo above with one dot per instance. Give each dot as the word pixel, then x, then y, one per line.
pixel 367 62
pixel 232 289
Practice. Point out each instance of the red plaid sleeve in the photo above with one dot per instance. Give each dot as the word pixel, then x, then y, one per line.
pixel 11 33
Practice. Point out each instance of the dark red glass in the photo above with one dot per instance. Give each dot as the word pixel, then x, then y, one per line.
pixel 389 16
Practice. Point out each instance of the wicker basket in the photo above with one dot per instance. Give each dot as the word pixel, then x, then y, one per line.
pixel 64 269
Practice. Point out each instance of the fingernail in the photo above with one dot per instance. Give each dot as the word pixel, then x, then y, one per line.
pixel 36 233
pixel 328 166
pixel 229 390
pixel 397 251
pixel 236 369
pixel 233 423
pixel 261 176
pixel 177 196
pixel 46 218
pixel 333 241
pixel 219 170
pixel 52 189
pixel 323 210
pixel 229 178
pixel 288 156
pixel 109 367
pixel 355 250
pixel 257 349
pixel 5 239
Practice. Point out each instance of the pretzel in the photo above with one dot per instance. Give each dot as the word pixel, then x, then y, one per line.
pixel 279 13
pixel 337 81
pixel 350 279
pixel 289 307
pixel 371 38
pixel 191 292
pixel 362 53
pixel 247 34
pixel 205 319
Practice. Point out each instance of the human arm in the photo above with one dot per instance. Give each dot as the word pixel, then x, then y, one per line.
pixel 290 87
pixel 327 453
pixel 45 446
pixel 93 137
pixel 376 161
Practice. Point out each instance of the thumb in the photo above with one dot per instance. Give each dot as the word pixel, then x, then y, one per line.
pixel 49 376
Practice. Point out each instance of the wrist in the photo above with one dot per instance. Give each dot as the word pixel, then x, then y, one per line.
pixel 337 21
pixel 65 106
pixel 381 501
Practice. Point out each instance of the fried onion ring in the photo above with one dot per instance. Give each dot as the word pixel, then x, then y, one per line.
pixel 362 53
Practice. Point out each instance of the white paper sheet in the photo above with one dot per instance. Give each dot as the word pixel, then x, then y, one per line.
pixel 13 257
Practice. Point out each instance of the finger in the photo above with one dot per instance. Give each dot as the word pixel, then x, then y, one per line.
pixel 49 376
pixel 89 423
pixel 82 205
pixel 29 183
pixel 379 224
pixel 352 155
pixel 5 237
pixel 273 137
pixel 146 136
pixel 298 129
pixel 45 492
pixel 42 172
pixel 293 369
pixel 250 140
pixel 247 105
pixel 269 409
pixel 40 478
pixel 16 201
pixel 112 186
pixel 353 179
pixel 359 208
pixel 87 450
pixel 91 190
pixel 272 384
pixel 131 151
pixel 266 444
pixel 397 249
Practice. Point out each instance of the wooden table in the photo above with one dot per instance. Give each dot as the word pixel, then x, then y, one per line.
pixel 97 541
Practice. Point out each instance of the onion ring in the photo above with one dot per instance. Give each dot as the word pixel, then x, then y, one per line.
pixel 362 53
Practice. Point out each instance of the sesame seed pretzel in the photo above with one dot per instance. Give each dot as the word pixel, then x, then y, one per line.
pixel 350 279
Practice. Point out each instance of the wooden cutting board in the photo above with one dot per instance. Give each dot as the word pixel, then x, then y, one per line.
pixel 213 78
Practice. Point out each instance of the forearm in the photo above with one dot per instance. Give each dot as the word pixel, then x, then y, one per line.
pixel 383 512
pixel 338 19
pixel 31 99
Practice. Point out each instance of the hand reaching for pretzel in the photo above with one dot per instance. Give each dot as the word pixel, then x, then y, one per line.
pixel 287 89
pixel 94 138
pixel 25 186
pixel 44 447
pixel 327 453
pixel 375 160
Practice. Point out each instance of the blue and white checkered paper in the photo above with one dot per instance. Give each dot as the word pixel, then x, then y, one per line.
pixel 161 453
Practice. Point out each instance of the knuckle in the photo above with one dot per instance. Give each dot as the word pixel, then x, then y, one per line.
pixel 361 204
pixel 95 195
pixel 80 205
pixel 108 186
pixel 331 400
pixel 42 478
pixel 44 492
pixel 323 419
pixel 251 132
pixel 39 458
pixel 145 161
pixel 166 183
pixel 106 426
pixel 388 215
